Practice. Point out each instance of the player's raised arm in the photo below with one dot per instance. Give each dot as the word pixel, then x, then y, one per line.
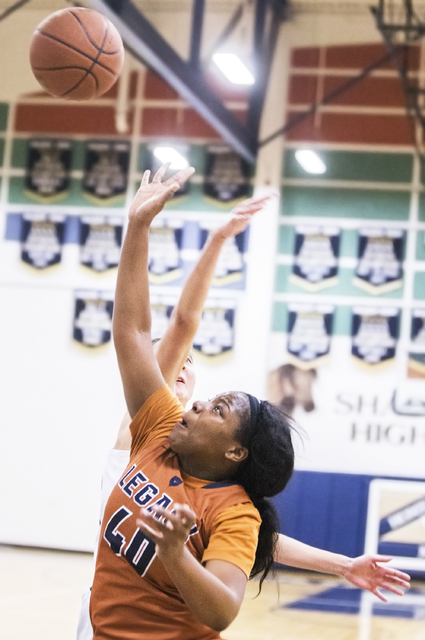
pixel 139 369
pixel 184 322
pixel 365 572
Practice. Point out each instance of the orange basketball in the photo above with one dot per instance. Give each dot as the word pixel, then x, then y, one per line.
pixel 76 54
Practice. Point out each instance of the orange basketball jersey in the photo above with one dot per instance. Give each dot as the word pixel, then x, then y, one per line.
pixel 132 595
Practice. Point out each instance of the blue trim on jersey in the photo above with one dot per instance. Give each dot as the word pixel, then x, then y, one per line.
pixel 219 485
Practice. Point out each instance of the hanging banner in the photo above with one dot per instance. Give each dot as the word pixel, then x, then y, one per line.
pixel 93 317
pixel 380 256
pixel 316 255
pixel 177 150
pixel 215 336
pixel 227 175
pixel 48 169
pixel 106 171
pixel 165 245
pixel 161 309
pixel 230 267
pixel 41 239
pixel 416 362
pixel 309 333
pixel 374 334
pixel 100 241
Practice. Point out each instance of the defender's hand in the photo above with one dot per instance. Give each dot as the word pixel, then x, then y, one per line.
pixel 366 572
pixel 242 215
pixel 152 196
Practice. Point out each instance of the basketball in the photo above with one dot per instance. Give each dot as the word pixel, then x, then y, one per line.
pixel 76 54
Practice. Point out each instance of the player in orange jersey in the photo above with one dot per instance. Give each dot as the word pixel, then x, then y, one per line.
pixel 223 575
pixel 196 483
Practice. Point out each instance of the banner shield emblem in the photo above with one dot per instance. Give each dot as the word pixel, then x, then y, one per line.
pixel 165 245
pixel 100 241
pixel 316 257
pixel 380 256
pixel 309 334
pixel 93 317
pixel 42 237
pixel 416 362
pixel 215 336
pixel 374 334
pixel 161 308
pixel 230 267
pixel 227 175
pixel 48 169
pixel 106 172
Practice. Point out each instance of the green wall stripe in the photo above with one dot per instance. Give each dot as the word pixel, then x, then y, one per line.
pixel 420 245
pixel 364 204
pixel 422 207
pixel 286 240
pixel 4 113
pixel 355 165
pixel 19 153
pixel 280 317
pixel 419 286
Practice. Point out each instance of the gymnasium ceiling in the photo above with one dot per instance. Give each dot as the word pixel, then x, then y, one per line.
pixel 180 72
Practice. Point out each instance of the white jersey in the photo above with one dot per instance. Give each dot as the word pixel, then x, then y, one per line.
pixel 115 464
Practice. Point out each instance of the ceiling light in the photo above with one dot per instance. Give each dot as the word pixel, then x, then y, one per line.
pixel 233 68
pixel 310 161
pixel 170 154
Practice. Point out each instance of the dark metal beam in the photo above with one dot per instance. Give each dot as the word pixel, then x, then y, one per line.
pixel 196 31
pixel 147 45
pixel 266 31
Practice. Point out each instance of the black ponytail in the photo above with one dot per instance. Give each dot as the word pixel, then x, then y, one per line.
pixel 265 473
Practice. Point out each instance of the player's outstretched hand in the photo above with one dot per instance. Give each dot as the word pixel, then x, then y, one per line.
pixel 241 214
pixel 152 196
pixel 170 532
pixel 367 572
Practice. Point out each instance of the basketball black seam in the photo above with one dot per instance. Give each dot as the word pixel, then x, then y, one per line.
pixel 88 72
pixel 85 55
pixel 96 60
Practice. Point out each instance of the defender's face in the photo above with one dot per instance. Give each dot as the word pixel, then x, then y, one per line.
pixel 184 385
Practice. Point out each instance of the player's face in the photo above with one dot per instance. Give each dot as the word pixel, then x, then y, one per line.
pixel 185 383
pixel 209 429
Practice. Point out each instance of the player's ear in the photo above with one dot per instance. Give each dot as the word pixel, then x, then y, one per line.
pixel 237 453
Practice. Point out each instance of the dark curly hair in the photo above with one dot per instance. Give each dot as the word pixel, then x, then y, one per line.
pixel 265 472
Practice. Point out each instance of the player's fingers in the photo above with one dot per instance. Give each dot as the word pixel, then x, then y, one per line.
pixel 378 558
pixel 154 535
pixel 181 176
pixel 145 177
pixel 159 175
pixel 379 595
pixel 156 523
pixel 185 512
pixel 391 587
pixel 251 207
pixel 398 574
pixel 397 580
